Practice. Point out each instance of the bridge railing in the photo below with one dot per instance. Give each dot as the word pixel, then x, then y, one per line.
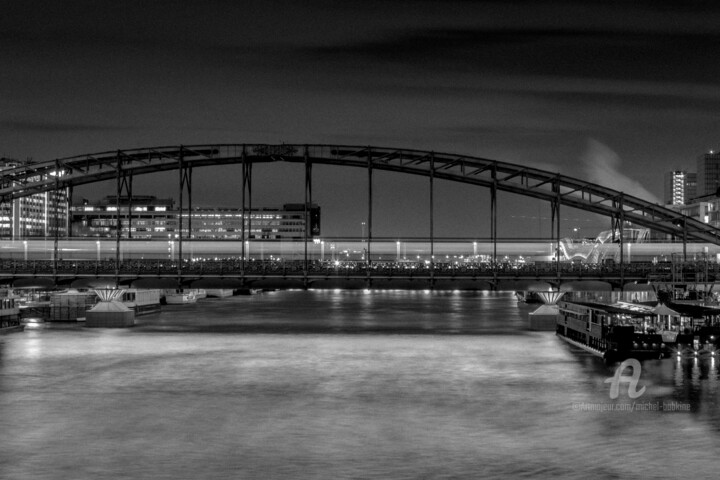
pixel 256 268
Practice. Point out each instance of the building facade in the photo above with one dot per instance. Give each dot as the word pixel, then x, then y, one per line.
pixel 704 209
pixel 680 187
pixel 150 217
pixel 147 217
pixel 38 215
pixel 708 173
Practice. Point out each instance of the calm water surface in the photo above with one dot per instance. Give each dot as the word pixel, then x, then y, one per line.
pixel 342 384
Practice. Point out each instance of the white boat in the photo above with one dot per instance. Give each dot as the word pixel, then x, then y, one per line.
pixel 180 297
pixel 141 301
pixel 219 292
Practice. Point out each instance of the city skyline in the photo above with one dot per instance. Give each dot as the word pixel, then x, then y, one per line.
pixel 610 92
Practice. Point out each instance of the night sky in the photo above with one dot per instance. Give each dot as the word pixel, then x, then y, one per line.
pixel 589 89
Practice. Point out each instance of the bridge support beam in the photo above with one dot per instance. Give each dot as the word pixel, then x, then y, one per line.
pixel 555 232
pixel 308 199
pixel 124 185
pixel 555 223
pixel 622 239
pixel 493 221
pixel 179 222
pixel 184 182
pixel 618 223
pixel 432 219
pixel 245 180
pixel 121 183
pixel 68 219
pixel 56 220
pixel 127 181
pixel 368 262
pixel 188 184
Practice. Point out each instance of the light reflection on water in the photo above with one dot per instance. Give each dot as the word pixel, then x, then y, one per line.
pixel 342 384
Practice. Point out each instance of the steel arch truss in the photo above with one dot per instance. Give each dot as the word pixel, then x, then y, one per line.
pixel 502 176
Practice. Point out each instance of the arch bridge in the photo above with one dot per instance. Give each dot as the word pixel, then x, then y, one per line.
pixel 557 189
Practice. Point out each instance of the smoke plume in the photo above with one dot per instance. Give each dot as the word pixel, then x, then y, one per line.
pixel 602 166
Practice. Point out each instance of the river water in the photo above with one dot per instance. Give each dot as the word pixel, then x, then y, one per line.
pixel 343 384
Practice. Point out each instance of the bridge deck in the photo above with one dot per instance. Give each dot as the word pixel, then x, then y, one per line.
pixel 314 271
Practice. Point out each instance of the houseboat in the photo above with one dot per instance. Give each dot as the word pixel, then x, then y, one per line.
pixel 9 315
pixel 697 327
pixel 624 330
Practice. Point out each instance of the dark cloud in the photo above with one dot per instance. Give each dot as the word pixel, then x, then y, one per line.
pixel 47 126
pixel 619 55
pixel 659 101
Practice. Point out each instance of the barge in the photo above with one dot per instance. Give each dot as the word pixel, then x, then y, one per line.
pixel 626 330
pixel 607 331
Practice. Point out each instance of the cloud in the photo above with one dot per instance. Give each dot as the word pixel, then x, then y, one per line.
pixel 603 166
pixel 610 53
pixel 47 126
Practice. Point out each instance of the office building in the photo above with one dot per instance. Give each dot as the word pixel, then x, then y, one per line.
pixel 147 217
pixel 708 173
pixel 37 215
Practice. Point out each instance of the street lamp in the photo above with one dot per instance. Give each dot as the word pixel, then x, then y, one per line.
pixel 362 229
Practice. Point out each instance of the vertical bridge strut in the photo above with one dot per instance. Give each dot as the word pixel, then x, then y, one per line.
pixel 308 199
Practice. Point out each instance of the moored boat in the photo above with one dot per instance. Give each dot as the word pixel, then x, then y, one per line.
pixel 9 315
pixel 219 292
pixel 607 331
pixel 180 297
pixel 528 296
pixel 141 301
pixel 624 330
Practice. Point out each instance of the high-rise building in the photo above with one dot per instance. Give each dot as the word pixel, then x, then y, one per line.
pixel 708 173
pixel 37 215
pixel 680 187
pixel 149 217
